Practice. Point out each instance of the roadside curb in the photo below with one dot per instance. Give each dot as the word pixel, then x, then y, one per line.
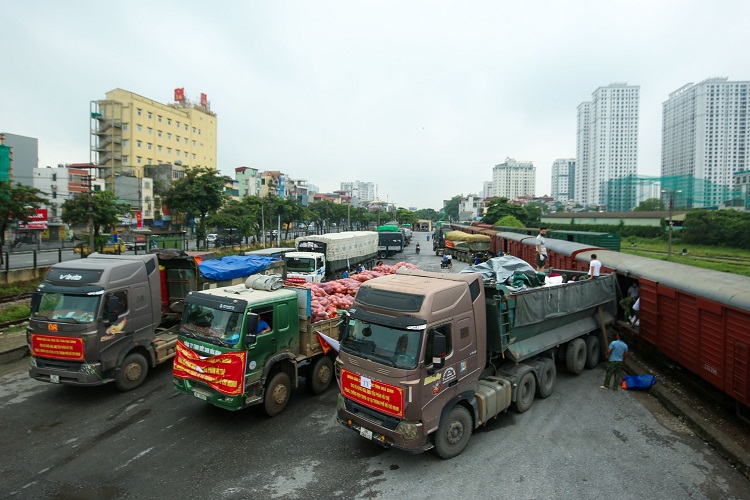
pixel 12 346
pixel 714 436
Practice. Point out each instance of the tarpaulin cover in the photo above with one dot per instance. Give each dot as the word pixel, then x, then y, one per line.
pixel 351 245
pixel 234 266
pixel 545 303
pixel 499 269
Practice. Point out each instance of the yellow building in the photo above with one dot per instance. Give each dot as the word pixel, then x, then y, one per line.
pixel 129 131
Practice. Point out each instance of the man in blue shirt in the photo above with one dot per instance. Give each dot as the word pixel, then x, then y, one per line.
pixel 617 352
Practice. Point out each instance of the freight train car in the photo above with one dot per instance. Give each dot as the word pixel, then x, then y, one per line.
pixel 697 317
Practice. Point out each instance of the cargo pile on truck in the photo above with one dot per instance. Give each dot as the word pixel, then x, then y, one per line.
pixel 111 318
pixel 330 297
pixel 465 247
pixel 326 256
pixel 426 358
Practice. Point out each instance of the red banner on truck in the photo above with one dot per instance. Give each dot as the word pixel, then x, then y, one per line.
pixel 377 395
pixel 48 346
pixel 223 372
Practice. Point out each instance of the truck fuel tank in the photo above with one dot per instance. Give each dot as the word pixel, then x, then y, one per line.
pixel 493 396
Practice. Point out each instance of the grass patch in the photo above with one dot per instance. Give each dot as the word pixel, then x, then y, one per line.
pixel 20 287
pixel 14 312
pixel 723 259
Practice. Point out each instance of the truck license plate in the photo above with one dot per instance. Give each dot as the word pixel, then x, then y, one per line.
pixel 365 433
pixel 200 396
pixel 55 379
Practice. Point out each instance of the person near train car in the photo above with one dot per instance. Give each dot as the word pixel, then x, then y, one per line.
pixel 617 354
pixel 627 302
pixel 594 267
pixel 541 250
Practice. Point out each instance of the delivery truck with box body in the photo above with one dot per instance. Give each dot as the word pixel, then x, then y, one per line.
pixel 325 257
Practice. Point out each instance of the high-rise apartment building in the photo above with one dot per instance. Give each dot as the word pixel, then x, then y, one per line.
pixel 25 158
pixel 607 145
pixel 513 179
pixel 705 141
pixel 563 180
pixel 364 191
pixel 129 131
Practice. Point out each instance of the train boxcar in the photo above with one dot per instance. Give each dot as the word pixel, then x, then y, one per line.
pixel 697 317
pixel 562 254
pixel 608 241
pixel 512 243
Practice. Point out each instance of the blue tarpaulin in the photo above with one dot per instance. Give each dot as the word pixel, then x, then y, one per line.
pixel 234 266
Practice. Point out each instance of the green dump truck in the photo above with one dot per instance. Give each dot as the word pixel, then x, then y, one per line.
pixel 226 359
pixel 465 246
pixel 427 358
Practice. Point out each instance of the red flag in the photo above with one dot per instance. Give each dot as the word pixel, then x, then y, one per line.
pixel 327 343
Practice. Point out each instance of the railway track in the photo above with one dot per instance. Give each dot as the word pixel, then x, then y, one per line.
pixel 7 299
pixel 15 322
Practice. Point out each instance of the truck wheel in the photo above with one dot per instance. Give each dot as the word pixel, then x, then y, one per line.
pixel 592 351
pixel 453 434
pixel 548 378
pixel 321 374
pixel 525 392
pixel 382 255
pixel 278 391
pixel 132 372
pixel 575 358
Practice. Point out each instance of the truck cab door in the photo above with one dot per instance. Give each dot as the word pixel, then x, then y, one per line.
pixel 440 383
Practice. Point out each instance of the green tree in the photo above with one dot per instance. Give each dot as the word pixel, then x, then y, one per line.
pixel 451 207
pixel 650 205
pixel 17 203
pixel 198 193
pixel 404 216
pixel 105 211
pixel 509 221
pixel 499 208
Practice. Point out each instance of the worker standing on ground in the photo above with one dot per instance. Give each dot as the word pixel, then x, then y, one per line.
pixel 541 250
pixel 617 353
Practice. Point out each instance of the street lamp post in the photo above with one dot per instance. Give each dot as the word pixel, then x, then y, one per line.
pixel 348 210
pixel 671 208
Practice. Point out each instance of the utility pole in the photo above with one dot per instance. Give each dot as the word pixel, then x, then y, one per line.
pixel 671 207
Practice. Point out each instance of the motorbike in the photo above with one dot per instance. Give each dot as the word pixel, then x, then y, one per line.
pixel 417 249
pixel 446 264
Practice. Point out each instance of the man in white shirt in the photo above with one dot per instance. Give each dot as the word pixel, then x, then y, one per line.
pixel 594 267
pixel 541 250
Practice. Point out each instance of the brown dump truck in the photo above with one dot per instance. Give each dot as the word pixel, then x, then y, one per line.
pixel 426 358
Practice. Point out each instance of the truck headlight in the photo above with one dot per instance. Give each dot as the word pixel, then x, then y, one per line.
pixel 33 362
pixel 408 430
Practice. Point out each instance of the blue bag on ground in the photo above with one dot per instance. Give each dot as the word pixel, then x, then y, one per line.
pixel 638 382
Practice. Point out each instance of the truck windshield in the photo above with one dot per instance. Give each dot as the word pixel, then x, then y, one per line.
pixel 300 265
pixel 64 307
pixel 382 344
pixel 211 325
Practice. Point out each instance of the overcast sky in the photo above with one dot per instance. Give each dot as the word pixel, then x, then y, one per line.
pixel 421 98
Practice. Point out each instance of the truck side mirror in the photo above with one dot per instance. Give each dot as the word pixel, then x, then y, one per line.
pixel 36 299
pixel 251 327
pixel 437 356
pixel 113 308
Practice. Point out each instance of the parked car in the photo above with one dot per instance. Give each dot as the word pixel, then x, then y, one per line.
pixel 138 242
pixel 211 238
